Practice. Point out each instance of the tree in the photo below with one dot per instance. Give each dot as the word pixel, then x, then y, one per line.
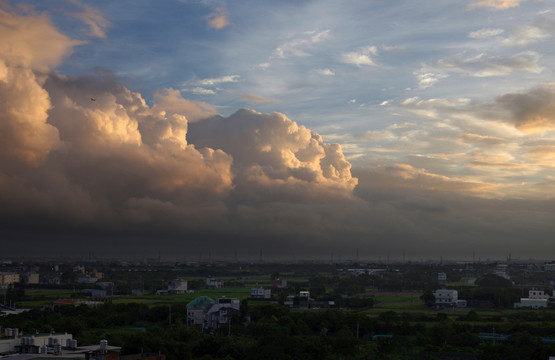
pixel 428 298
pixel 493 281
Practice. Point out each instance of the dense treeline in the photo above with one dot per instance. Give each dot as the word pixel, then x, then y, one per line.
pixel 275 332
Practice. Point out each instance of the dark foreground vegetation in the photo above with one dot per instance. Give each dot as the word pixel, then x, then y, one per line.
pixel 275 332
pixel 388 314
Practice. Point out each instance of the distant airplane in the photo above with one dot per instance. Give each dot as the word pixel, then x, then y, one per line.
pixel 93 99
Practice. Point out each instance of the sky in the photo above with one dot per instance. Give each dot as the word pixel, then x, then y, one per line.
pixel 278 129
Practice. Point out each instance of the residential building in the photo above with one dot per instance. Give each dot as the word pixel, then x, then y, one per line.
pixel 177 286
pixel 7 278
pixel 95 293
pixel 549 267
pixel 445 297
pixel 220 313
pixel 302 301
pixel 50 279
pixel 87 280
pixel 212 283
pixel 197 309
pixel 32 278
pixel 210 314
pixel 279 283
pixel 260 293
pixel 79 268
pixel 442 277
pixel 536 299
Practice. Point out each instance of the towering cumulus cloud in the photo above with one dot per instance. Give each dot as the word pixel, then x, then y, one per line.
pixel 87 150
pixel 273 156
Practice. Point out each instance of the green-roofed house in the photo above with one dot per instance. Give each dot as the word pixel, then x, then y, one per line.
pixel 197 310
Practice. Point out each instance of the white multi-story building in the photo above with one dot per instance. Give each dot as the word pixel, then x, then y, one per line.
pixel 536 299
pixel 442 277
pixel 444 297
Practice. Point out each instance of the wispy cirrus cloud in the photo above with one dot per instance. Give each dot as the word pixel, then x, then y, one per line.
pixel 93 18
pixel 301 45
pixel 481 65
pixel 361 57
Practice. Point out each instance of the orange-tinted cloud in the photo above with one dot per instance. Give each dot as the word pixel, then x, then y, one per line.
pixel 218 19
pixel 274 156
pixel 32 41
pixel 496 4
